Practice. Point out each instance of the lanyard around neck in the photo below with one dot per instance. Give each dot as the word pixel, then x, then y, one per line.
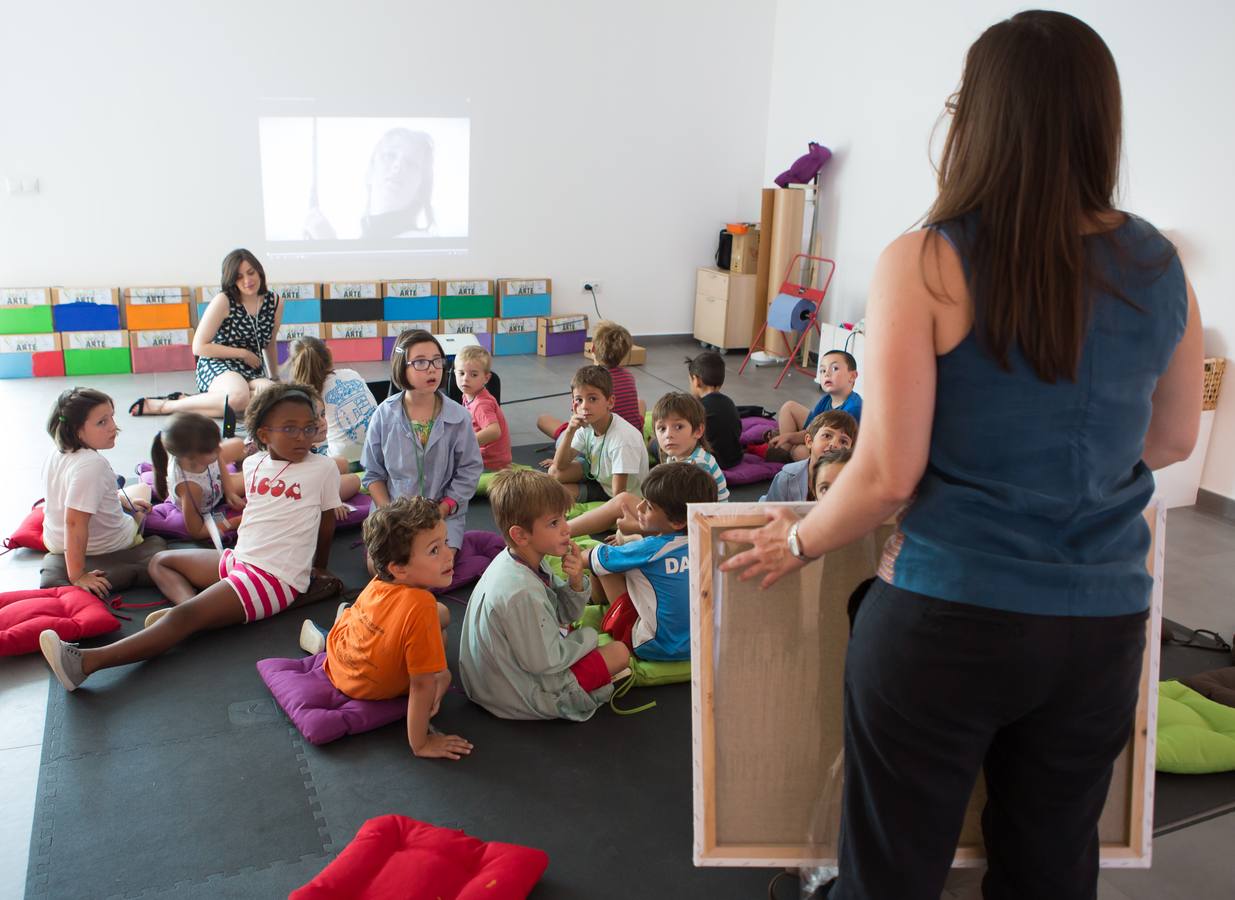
pixel 422 450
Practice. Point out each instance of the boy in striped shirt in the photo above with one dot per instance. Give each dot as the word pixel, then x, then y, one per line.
pixel 679 421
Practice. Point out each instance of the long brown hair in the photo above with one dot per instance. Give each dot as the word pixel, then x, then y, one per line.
pixel 310 361
pixel 231 272
pixel 1033 153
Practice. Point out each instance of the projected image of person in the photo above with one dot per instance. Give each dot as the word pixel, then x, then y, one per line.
pixel 398 190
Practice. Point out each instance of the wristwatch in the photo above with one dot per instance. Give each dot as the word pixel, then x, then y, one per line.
pixel 795 547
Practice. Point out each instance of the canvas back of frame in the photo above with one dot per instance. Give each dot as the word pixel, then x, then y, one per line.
pixel 767 707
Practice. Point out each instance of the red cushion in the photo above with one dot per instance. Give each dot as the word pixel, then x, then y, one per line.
pixel 397 857
pixel 71 612
pixel 29 533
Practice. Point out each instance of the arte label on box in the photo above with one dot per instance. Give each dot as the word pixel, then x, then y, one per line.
pixel 24 297
pixel 153 296
pixel 348 290
pixel 409 289
pixel 28 343
pixel 295 291
pixel 562 324
pixel 394 329
pixel 97 296
pixel 171 337
pixel 466 288
pixel 465 326
pixel 299 330
pixel 516 326
pixel 526 288
pixel 351 330
pixel 94 340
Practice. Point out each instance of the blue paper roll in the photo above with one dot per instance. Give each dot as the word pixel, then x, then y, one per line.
pixel 789 313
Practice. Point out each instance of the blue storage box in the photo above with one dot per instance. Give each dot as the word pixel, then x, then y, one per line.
pixel 519 297
pixel 398 309
pixel 86 309
pixel 298 312
pixel 514 336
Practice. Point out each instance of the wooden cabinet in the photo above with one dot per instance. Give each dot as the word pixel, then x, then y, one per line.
pixel 724 307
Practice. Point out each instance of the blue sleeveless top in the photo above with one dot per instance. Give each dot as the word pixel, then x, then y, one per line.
pixel 1033 494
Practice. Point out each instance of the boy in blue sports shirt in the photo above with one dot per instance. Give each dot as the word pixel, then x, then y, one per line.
pixel 648 582
pixel 837 377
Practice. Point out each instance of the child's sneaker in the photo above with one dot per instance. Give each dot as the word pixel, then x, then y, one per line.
pixel 64 659
pixel 312 641
pixel 155 616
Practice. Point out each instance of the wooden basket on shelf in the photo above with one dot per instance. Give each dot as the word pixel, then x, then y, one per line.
pixel 1214 367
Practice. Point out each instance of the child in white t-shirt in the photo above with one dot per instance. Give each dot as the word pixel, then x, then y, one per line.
pixel 284 540
pixel 599 455
pixel 92 532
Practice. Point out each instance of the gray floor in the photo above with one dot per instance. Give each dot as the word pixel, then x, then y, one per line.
pixel 1192 863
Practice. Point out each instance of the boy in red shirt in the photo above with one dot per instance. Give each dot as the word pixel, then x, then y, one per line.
pixel 473 368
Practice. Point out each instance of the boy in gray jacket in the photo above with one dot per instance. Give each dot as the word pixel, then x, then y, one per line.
pixel 516 657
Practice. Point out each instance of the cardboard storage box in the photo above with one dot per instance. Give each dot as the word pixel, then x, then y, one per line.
pixel 636 357
pixel 391 331
pixel 520 297
pixel 355 341
pixel 96 353
pixel 482 328
pixel 413 299
pixel 31 356
pixel 300 302
pixel 86 309
pixel 156 308
pixel 169 350
pixel 514 336
pixel 744 258
pixel 351 301
pixel 560 335
pixel 467 299
pixel 288 332
pixel 300 291
pixel 25 311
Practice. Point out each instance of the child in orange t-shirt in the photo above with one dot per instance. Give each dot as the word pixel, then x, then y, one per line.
pixel 390 642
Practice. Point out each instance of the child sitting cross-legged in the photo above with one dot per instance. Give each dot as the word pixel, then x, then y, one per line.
pixel 832 430
pixel 283 542
pixel 679 420
pixel 516 657
pixel 611 344
pixel 391 641
pixel 647 583
pixel 837 376
pixel 473 369
pixel 600 454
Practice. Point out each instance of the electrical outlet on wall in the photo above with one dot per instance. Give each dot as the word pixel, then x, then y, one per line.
pixel 591 285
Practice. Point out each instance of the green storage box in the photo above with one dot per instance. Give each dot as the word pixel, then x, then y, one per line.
pixel 105 361
pixel 479 306
pixel 25 320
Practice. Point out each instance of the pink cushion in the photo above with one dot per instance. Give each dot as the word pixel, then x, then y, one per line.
pixel 397 857
pixel 29 533
pixel 69 611
pixel 319 710
pixel 752 470
pixel 754 428
pixel 478 550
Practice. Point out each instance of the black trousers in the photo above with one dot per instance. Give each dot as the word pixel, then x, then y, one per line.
pixel 936 691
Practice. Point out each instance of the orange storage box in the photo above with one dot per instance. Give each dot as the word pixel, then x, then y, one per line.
pixel 156 308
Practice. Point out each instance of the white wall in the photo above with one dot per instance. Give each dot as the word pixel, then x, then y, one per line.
pixel 870 83
pixel 606 142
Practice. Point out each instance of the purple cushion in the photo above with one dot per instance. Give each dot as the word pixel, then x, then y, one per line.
pixel 361 504
pixel 752 470
pixel 754 428
pixel 478 550
pixel 167 520
pixel 320 711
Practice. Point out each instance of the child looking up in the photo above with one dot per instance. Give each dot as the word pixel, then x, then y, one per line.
pixel 837 377
pixel 516 658
pixel 284 539
pixel 679 423
pixel 349 403
pixel 92 531
pixel 648 582
pixel 420 442
pixel 724 425
pixel 600 454
pixel 825 470
pixel 473 368
pixel 611 343
pixel 191 461
pixel 832 430
pixel 391 641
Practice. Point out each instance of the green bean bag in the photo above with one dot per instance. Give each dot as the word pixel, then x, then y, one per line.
pixel 646 672
pixel 1196 736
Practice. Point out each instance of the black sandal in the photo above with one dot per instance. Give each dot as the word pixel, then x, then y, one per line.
pixel 140 404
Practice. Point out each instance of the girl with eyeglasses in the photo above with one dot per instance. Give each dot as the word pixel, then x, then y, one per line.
pixel 283 543
pixel 420 443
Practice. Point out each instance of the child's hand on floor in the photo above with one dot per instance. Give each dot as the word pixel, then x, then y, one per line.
pixel 443 746
pixel 95 582
pixel 546 464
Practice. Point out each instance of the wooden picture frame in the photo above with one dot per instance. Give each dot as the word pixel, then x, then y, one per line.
pixel 766 706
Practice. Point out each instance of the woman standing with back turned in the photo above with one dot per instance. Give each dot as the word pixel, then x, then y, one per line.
pixel 1006 628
